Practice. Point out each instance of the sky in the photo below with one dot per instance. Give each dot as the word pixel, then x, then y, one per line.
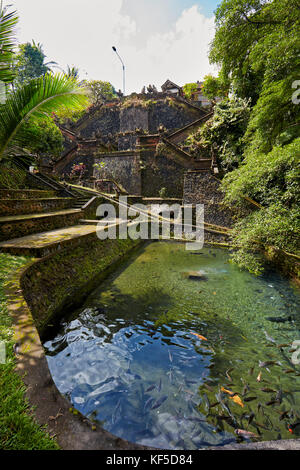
pixel 156 39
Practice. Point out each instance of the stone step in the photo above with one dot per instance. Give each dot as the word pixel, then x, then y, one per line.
pixel 23 225
pixel 12 207
pixel 45 243
pixel 26 194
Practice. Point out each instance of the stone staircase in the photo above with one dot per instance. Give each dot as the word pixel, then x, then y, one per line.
pixel 186 160
pixel 38 226
pixel 181 134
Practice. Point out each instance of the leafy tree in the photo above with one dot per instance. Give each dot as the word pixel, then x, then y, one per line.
pixel 100 91
pixel 256 40
pixel 30 62
pixel 38 97
pixel 72 72
pixel 257 46
pixel 189 89
pixel 214 87
pixel 223 133
pixel 47 138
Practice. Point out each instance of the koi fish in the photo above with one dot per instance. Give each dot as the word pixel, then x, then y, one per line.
pixel 243 433
pixel 233 396
pixel 199 336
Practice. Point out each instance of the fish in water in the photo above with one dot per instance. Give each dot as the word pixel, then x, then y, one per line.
pixel 268 363
pixel 149 402
pixel 251 417
pixel 278 397
pixel 258 379
pixel 170 356
pixel 268 390
pixel 227 373
pixel 280 319
pixel 159 386
pixel 271 402
pixel 114 415
pixel 170 374
pixel 269 338
pixel 283 415
pixel 250 399
pixel 245 434
pixel 295 428
pixel 152 387
pixel 159 402
pixel 199 336
pixel 289 371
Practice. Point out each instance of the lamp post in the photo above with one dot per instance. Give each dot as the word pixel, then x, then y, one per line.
pixel 123 66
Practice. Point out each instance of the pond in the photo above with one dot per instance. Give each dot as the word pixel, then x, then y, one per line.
pixel 180 349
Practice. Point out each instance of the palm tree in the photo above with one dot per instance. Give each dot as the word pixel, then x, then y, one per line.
pixel 8 22
pixel 39 97
pixel 72 72
pixel 35 99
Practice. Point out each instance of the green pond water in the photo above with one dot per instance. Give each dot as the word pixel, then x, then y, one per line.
pixel 129 357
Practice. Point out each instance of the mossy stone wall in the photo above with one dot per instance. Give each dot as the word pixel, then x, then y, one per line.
pixel 59 282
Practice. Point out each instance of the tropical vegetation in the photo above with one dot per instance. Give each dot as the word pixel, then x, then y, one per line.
pixel 256 130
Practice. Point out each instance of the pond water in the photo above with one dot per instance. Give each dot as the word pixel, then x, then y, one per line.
pixel 130 357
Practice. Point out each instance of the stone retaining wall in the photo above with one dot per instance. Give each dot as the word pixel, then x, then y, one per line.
pixel 58 282
pixel 204 188
pixel 26 194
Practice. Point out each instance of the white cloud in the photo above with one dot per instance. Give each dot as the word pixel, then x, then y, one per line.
pixel 82 34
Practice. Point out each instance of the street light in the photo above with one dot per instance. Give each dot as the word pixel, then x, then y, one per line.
pixel 123 66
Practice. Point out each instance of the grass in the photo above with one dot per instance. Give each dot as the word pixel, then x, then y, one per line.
pixel 18 428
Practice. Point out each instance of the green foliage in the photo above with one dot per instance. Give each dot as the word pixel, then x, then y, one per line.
pixel 224 133
pixel 72 72
pixel 30 63
pixel 272 179
pixel 274 226
pixel 214 87
pixel 163 193
pixel 47 140
pixel 8 21
pixel 18 429
pixel 257 46
pixel 267 178
pixel 189 89
pixel 38 97
pixel 12 178
pixel 255 41
pixel 100 91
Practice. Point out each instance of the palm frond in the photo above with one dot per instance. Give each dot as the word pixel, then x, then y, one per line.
pixel 8 22
pixel 40 96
